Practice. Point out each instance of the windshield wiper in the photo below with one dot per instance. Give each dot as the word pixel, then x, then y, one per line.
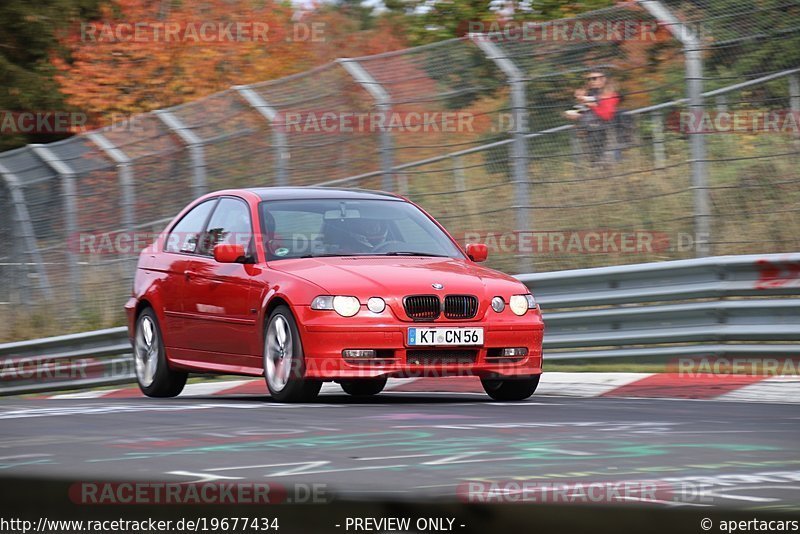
pixel 330 255
pixel 409 253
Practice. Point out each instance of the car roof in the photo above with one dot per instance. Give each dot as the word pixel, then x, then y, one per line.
pixel 310 193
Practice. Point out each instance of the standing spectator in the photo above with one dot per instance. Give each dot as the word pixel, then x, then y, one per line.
pixel 595 110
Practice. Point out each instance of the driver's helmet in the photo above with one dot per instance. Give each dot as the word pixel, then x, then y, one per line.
pixel 370 232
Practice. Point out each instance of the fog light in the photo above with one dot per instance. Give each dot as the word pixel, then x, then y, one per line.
pixel 358 353
pixel 498 304
pixel 514 352
pixel 376 305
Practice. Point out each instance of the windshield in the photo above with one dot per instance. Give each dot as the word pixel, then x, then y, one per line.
pixel 335 227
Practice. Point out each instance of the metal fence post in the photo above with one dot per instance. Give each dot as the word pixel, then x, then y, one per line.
pixel 27 237
pixel 575 148
pixel 278 125
pixel 124 174
pixel 794 97
pixel 195 146
pixel 384 105
pixel 69 193
pixel 692 49
pixel 519 110
pixel 659 154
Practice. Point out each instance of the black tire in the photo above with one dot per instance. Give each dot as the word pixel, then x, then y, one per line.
pixel 161 381
pixel 364 386
pixel 293 386
pixel 515 389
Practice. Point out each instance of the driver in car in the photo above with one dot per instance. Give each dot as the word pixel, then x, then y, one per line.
pixel 369 235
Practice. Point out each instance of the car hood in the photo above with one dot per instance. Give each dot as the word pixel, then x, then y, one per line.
pixel 365 277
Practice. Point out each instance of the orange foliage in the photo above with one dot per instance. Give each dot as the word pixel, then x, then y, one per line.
pixel 111 69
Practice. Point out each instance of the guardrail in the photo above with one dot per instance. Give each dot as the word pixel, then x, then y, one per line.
pixel 742 305
pixel 737 305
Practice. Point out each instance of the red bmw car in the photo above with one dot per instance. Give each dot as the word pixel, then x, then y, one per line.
pixel 306 285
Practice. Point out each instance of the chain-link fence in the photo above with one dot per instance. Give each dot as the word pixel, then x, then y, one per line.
pixel 699 157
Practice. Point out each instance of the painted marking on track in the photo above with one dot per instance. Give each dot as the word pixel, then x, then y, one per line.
pixel 376 458
pixel 418 416
pixel 455 459
pixel 81 395
pixel 343 470
pixel 302 467
pixel 204 477
pixel 605 426
pixel 19 456
pixel 25 462
pixel 749 498
pixel 560 451
pixel 649 500
pixel 95 409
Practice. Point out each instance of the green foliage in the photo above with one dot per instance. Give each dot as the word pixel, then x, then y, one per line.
pixel 764 41
pixel 28 31
pixel 428 22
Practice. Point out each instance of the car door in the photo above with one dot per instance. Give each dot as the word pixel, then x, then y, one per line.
pixel 181 245
pixel 220 317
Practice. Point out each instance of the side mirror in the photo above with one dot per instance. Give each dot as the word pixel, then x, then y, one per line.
pixel 229 253
pixel 477 252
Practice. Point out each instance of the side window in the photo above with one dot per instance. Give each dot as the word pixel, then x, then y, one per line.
pixel 230 225
pixel 184 237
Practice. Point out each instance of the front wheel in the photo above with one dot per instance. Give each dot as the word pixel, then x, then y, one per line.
pixel 284 361
pixel 512 389
pixel 153 374
pixel 364 386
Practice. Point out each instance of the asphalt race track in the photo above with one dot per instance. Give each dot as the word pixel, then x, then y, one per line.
pixel 412 445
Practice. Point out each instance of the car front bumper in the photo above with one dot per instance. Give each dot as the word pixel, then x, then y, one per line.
pixel 325 337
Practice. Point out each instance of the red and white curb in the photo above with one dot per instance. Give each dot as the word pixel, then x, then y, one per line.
pixel 780 389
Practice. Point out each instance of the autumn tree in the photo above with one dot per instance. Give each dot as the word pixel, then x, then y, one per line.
pixel 110 69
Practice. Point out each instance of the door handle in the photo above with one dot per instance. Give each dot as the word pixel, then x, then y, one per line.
pixel 188 274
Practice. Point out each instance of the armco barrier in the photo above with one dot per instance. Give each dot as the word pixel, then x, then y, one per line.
pixel 744 305
pixel 737 305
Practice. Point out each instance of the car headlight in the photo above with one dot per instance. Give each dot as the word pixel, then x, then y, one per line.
pixel 346 306
pixel 376 304
pixel 498 304
pixel 522 303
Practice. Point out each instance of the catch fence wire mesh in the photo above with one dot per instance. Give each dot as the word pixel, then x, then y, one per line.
pixel 474 130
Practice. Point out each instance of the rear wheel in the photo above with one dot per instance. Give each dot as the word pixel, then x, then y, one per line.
pixel 153 374
pixel 364 386
pixel 512 389
pixel 284 361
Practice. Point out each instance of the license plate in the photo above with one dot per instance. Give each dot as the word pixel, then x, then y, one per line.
pixel 445 336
